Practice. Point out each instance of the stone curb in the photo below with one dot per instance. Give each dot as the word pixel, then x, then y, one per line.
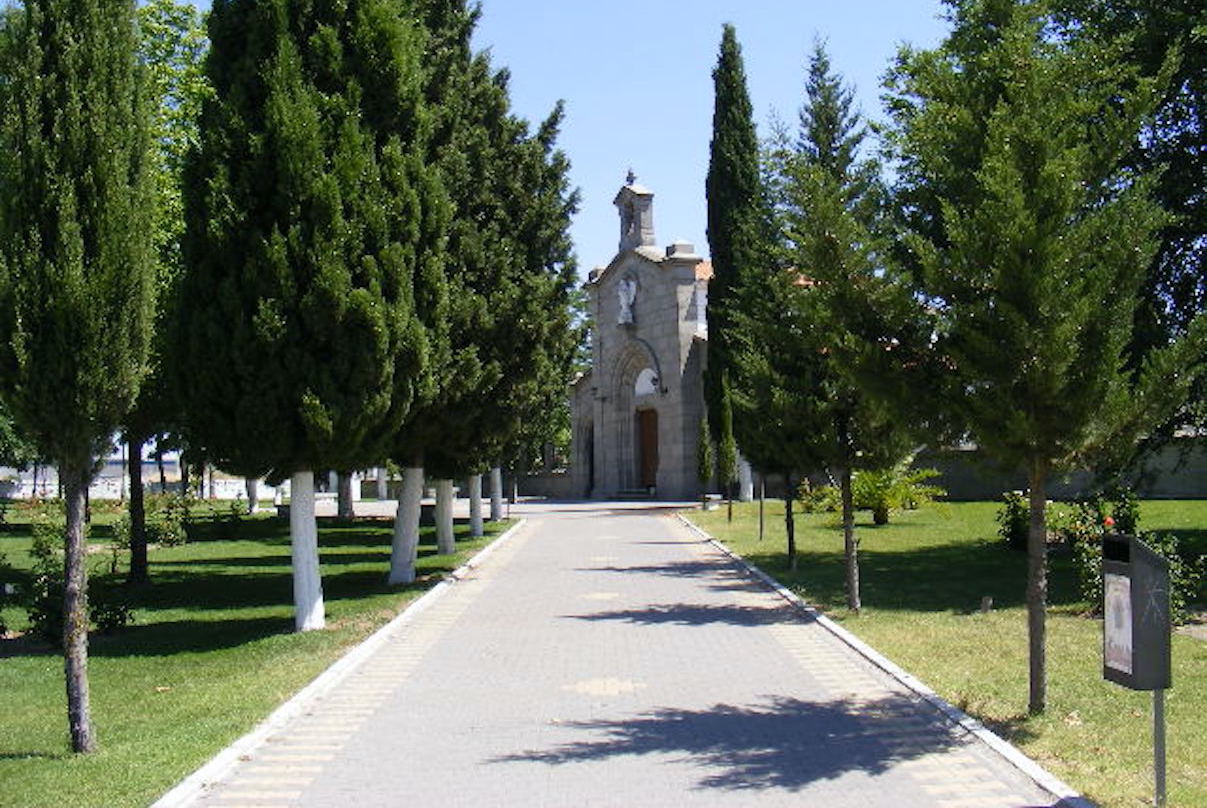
pixel 1068 797
pixel 220 765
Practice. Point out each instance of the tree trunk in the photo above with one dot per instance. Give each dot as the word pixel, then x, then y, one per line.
pixel 139 573
pixel 121 494
pixel 209 478
pixel 252 486
pixel 383 483
pixel 446 543
pixel 405 546
pixel 745 481
pixel 762 503
pixel 184 478
pixel 75 609
pixel 790 523
pixel 343 498
pixel 1037 588
pixel 514 495
pixel 849 542
pixel 475 506
pixel 163 475
pixel 729 501
pixel 496 494
pixel 35 484
pixel 303 530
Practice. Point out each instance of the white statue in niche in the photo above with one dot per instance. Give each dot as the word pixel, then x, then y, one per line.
pixel 626 291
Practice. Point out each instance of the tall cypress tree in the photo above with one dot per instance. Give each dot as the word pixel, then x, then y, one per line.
pixel 77 291
pixel 510 270
pixel 737 217
pixel 1028 241
pixel 315 237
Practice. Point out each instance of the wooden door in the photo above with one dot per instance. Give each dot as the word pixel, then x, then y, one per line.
pixel 647 431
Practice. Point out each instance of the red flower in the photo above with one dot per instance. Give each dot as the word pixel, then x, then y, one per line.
pixel 1109 521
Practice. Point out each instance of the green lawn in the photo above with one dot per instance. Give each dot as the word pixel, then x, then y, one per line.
pixel 211 653
pixel 923 579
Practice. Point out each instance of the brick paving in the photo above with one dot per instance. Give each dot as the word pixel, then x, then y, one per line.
pixel 609 657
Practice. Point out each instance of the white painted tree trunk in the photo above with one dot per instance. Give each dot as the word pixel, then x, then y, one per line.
pixel 406 527
pixel 475 506
pixel 496 494
pixel 745 481
pixel 383 489
pixel 304 538
pixel 252 486
pixel 446 544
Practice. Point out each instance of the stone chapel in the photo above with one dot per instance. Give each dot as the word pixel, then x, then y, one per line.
pixel 636 414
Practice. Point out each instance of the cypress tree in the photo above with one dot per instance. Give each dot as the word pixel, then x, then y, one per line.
pixel 1028 241
pixel 314 240
pixel 77 291
pixel 737 217
pixel 510 271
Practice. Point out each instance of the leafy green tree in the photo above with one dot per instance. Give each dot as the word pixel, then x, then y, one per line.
pixel 1028 241
pixel 831 210
pixel 737 219
pixel 15 449
pixel 314 236
pixel 1172 141
pixel 172 46
pixel 777 395
pixel 77 290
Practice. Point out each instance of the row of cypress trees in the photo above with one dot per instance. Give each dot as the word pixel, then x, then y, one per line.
pixel 997 290
pixel 374 255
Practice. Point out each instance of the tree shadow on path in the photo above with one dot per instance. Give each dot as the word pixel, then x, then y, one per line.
pixel 699 614
pixel 784 743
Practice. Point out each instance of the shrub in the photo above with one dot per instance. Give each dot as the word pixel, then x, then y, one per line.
pixel 893 489
pixel 167 529
pixel 121 541
pixel 1126 511
pixel 1014 520
pixel 108 609
pixel 44 600
pixel 1084 533
pixel 818 498
pixel 880 491
pixel 109 612
pixel 1185 575
pixel 6 590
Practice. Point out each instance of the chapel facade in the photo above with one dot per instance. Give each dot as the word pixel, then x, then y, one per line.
pixel 636 413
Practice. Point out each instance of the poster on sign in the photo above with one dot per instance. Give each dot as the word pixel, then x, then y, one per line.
pixel 1117 617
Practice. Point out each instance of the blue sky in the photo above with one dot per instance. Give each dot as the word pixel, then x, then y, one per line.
pixel 636 76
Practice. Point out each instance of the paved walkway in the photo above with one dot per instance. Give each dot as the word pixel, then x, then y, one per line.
pixel 610 658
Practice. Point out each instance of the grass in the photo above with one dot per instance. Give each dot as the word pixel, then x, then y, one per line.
pixel 211 653
pixel 923 579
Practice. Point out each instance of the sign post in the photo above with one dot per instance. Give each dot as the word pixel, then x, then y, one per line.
pixel 1136 629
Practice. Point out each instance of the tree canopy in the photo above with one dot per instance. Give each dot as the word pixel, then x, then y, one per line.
pixel 314 231
pixel 77 284
pixel 1028 237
